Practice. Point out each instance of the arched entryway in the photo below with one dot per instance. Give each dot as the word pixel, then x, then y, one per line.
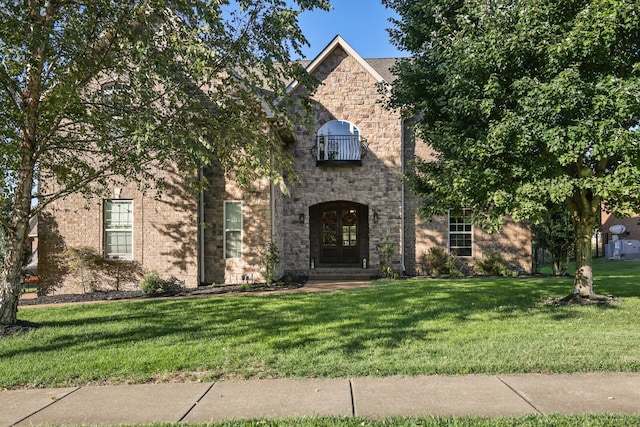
pixel 339 233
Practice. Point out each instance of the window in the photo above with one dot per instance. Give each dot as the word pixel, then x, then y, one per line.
pixel 118 229
pixel 110 92
pixel 339 141
pixel 460 233
pixel 232 230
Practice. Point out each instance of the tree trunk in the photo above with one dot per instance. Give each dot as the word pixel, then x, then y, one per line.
pixel 17 234
pixel 559 265
pixel 583 284
pixel 11 276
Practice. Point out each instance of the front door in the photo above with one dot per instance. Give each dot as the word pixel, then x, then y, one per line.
pixel 340 233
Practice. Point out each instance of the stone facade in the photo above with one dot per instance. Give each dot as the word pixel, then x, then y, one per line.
pixel 340 216
pixel 347 92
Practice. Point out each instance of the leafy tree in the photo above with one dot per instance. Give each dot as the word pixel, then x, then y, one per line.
pixel 556 234
pixel 528 103
pixel 96 91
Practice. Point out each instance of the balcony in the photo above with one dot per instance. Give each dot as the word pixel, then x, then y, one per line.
pixel 339 149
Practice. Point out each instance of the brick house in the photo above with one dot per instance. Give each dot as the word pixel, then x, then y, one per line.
pixel 349 201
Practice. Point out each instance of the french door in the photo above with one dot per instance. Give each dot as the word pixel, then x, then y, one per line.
pixel 340 233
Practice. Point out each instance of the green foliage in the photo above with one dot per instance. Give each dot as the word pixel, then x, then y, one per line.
pixel 88 269
pixel 440 263
pixel 493 264
pixel 151 282
pixel 555 234
pixel 528 103
pixel 191 82
pixel 270 255
pixel 386 250
pixel 172 285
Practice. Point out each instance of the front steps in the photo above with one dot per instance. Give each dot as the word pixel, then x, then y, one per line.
pixel 342 274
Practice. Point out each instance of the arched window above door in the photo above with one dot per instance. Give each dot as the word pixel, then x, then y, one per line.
pixel 339 142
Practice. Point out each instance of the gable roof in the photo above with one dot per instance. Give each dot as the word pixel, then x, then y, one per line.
pixel 379 68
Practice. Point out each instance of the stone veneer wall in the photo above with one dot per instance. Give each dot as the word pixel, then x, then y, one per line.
pixel 348 92
pixel 164 230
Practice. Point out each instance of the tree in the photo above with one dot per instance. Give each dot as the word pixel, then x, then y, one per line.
pixel 555 234
pixel 96 91
pixel 528 103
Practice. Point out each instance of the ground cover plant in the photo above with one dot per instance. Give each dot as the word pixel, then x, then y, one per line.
pixel 409 327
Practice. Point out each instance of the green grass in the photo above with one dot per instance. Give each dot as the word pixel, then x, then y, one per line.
pixel 599 420
pixel 410 327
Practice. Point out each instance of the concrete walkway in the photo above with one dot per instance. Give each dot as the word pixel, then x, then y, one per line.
pixel 375 398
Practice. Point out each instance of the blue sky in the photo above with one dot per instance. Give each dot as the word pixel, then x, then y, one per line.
pixel 362 23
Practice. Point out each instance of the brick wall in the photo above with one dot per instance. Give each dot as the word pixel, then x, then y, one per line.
pixel 632 231
pixel 256 229
pixel 165 230
pixel 513 241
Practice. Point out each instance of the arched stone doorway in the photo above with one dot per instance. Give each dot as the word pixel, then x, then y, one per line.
pixel 339 233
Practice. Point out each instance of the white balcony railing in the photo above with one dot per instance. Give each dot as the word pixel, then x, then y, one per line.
pixel 340 149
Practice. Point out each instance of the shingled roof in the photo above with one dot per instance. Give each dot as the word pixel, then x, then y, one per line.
pixel 383 67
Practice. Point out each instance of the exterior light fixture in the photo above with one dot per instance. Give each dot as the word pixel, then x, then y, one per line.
pixel 365 262
pixel 301 218
pixel 375 217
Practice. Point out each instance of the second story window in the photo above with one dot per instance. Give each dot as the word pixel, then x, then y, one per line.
pixel 111 103
pixel 339 142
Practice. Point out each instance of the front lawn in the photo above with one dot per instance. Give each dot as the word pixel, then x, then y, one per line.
pixel 408 327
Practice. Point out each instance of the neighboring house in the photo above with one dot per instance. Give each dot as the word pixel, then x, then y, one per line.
pixel 620 236
pixel 350 200
pixel 631 227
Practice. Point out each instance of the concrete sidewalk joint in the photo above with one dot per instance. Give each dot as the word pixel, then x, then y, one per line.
pixel 523 397
pixel 196 403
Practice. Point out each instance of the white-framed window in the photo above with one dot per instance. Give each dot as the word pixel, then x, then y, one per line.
pixel 118 229
pixel 232 229
pixel 460 233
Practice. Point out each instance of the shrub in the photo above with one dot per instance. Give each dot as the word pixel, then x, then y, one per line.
pixel 87 268
pixel 172 285
pixel 439 263
pixel 494 264
pixel 151 282
pixel 270 255
pixel 386 250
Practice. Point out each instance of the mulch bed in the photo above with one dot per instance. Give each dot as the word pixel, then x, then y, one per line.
pixel 23 326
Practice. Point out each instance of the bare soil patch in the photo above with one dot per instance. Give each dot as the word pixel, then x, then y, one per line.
pixel 574 299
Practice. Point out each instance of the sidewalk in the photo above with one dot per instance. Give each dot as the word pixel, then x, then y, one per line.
pixel 472 395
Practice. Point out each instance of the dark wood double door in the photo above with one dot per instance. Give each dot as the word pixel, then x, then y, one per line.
pixel 339 233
